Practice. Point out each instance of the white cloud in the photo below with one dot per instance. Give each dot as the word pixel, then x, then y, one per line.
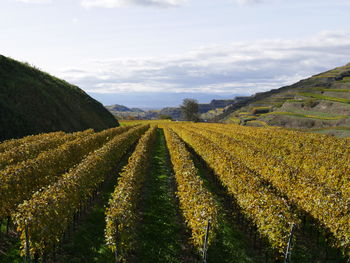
pixel 119 3
pixel 237 68
pixel 34 1
pixel 244 2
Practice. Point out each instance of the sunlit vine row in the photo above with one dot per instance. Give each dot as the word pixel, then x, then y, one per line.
pixel 330 208
pixel 122 211
pixel 271 214
pixel 320 163
pixel 13 143
pixel 324 157
pixel 196 202
pixel 48 213
pixel 18 182
pixel 31 150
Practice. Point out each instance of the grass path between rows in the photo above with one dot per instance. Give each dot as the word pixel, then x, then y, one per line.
pixel 162 233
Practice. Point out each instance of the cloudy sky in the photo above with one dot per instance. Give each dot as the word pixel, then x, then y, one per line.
pixel 154 53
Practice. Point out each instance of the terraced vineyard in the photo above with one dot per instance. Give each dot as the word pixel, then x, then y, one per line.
pixel 175 192
pixel 320 103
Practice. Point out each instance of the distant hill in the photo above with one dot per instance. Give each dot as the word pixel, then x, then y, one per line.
pixel 32 102
pixel 203 109
pixel 173 112
pixel 214 104
pixel 117 107
pixel 122 108
pixel 123 112
pixel 319 102
pixel 209 111
pixel 136 110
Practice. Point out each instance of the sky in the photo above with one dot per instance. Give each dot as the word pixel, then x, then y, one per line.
pixel 155 53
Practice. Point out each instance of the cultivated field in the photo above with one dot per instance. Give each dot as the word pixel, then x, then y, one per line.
pixel 175 192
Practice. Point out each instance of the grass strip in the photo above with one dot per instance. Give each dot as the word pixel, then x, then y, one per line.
pixel 305 115
pixel 159 235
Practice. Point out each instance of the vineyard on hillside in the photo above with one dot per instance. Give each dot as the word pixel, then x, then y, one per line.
pixel 175 192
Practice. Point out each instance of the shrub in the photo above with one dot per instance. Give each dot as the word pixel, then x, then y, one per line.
pixel 261 110
pixel 311 102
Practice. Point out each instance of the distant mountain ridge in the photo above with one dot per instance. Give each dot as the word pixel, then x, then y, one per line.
pixel 32 101
pixel 122 108
pixel 203 108
pixel 173 112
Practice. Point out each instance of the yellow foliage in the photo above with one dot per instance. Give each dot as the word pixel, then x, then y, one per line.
pixel 61 200
pixel 121 214
pixel 196 202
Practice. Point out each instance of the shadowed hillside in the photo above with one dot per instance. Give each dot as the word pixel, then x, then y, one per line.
pixel 32 102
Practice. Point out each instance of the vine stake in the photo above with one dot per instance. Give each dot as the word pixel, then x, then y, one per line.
pixel 205 245
pixel 288 253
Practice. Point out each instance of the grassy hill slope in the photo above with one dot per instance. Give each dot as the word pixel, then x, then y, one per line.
pixel 319 102
pixel 32 102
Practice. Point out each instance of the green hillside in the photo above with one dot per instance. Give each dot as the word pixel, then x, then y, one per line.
pixel 32 102
pixel 320 102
